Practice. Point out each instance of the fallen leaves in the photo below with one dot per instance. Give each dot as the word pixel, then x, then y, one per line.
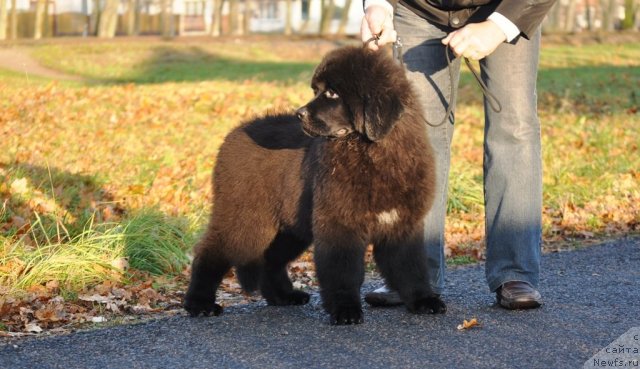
pixel 468 324
pixel 42 309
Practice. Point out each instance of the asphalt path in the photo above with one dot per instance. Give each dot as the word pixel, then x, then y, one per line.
pixel 592 297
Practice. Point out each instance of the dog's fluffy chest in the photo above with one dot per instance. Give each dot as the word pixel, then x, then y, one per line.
pixel 376 189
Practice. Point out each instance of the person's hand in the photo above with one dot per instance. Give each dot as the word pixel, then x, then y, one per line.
pixel 377 21
pixel 475 40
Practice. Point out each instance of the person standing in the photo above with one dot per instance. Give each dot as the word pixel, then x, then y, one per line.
pixel 504 35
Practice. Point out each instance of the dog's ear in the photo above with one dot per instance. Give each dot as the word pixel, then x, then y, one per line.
pixel 380 113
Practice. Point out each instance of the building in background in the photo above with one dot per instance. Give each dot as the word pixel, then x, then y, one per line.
pixel 190 17
pixel 237 17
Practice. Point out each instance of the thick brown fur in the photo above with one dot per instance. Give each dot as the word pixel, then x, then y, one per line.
pixel 353 167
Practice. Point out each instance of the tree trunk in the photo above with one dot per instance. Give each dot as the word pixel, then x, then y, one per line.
pixel 39 23
pixel 4 17
pixel 608 8
pixel 571 16
pixel 344 19
pixel 246 17
pixel 130 17
pixel 588 15
pixel 328 9
pixel 168 29
pixel 630 12
pixel 287 22
pixel 553 23
pixel 216 21
pixel 94 18
pixel 234 17
pixel 14 20
pixel 108 19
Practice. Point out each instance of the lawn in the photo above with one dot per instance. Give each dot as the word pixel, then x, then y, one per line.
pixel 105 182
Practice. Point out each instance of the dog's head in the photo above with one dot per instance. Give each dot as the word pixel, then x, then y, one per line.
pixel 356 90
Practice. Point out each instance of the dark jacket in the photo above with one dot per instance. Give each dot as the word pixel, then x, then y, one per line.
pixel 525 14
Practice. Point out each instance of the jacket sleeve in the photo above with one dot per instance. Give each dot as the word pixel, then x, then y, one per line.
pixel 366 3
pixel 525 14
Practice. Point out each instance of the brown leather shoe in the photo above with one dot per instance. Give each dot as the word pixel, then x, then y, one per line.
pixel 518 295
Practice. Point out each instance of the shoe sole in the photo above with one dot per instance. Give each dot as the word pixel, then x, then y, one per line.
pixel 519 305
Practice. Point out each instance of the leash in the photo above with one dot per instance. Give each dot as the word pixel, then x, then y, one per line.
pixel 493 101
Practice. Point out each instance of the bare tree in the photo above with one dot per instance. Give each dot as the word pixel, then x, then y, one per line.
pixel 4 17
pixel 631 11
pixel 39 23
pixel 216 21
pixel 328 10
pixel 287 22
pixel 553 22
pixel 168 26
pixel 234 17
pixel 14 20
pixel 130 17
pixel 344 18
pixel 570 18
pixel 608 8
pixel 247 14
pixel 96 14
pixel 108 19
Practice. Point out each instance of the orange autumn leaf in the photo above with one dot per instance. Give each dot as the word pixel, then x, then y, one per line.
pixel 466 324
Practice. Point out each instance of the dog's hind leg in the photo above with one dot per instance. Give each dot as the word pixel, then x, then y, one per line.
pixel 207 271
pixel 249 275
pixel 275 285
pixel 403 264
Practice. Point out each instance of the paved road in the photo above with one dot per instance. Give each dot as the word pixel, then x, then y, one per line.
pixel 592 297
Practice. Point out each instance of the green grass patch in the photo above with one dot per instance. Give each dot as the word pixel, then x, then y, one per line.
pixel 147 241
pixel 460 260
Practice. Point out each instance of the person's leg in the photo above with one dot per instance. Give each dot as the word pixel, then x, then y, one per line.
pixel 428 71
pixel 513 165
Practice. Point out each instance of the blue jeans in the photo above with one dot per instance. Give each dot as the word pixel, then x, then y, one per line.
pixel 512 157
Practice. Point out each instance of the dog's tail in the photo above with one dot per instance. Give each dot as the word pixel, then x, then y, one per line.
pixel 249 275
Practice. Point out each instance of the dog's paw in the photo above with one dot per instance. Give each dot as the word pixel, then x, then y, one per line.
pixel 294 297
pixel 205 306
pixel 347 315
pixel 428 305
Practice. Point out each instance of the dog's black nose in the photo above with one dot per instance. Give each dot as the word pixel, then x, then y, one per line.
pixel 302 112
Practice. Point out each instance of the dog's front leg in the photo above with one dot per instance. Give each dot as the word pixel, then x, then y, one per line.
pixel 339 258
pixel 403 264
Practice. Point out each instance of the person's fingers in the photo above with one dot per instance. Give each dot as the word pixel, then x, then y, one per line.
pixel 388 34
pixel 447 39
pixel 365 31
pixel 379 23
pixel 460 47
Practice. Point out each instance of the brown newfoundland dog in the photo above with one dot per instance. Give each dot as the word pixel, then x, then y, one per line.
pixel 352 167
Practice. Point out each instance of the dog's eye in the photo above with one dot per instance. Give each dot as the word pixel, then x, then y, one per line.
pixel 330 94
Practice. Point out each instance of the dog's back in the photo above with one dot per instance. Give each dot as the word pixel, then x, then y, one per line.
pixel 260 164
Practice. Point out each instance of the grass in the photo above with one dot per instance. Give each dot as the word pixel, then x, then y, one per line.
pixel 144 63
pixel 147 241
pixel 81 163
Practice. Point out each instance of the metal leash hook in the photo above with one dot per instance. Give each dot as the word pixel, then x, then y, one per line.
pixel 397 51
